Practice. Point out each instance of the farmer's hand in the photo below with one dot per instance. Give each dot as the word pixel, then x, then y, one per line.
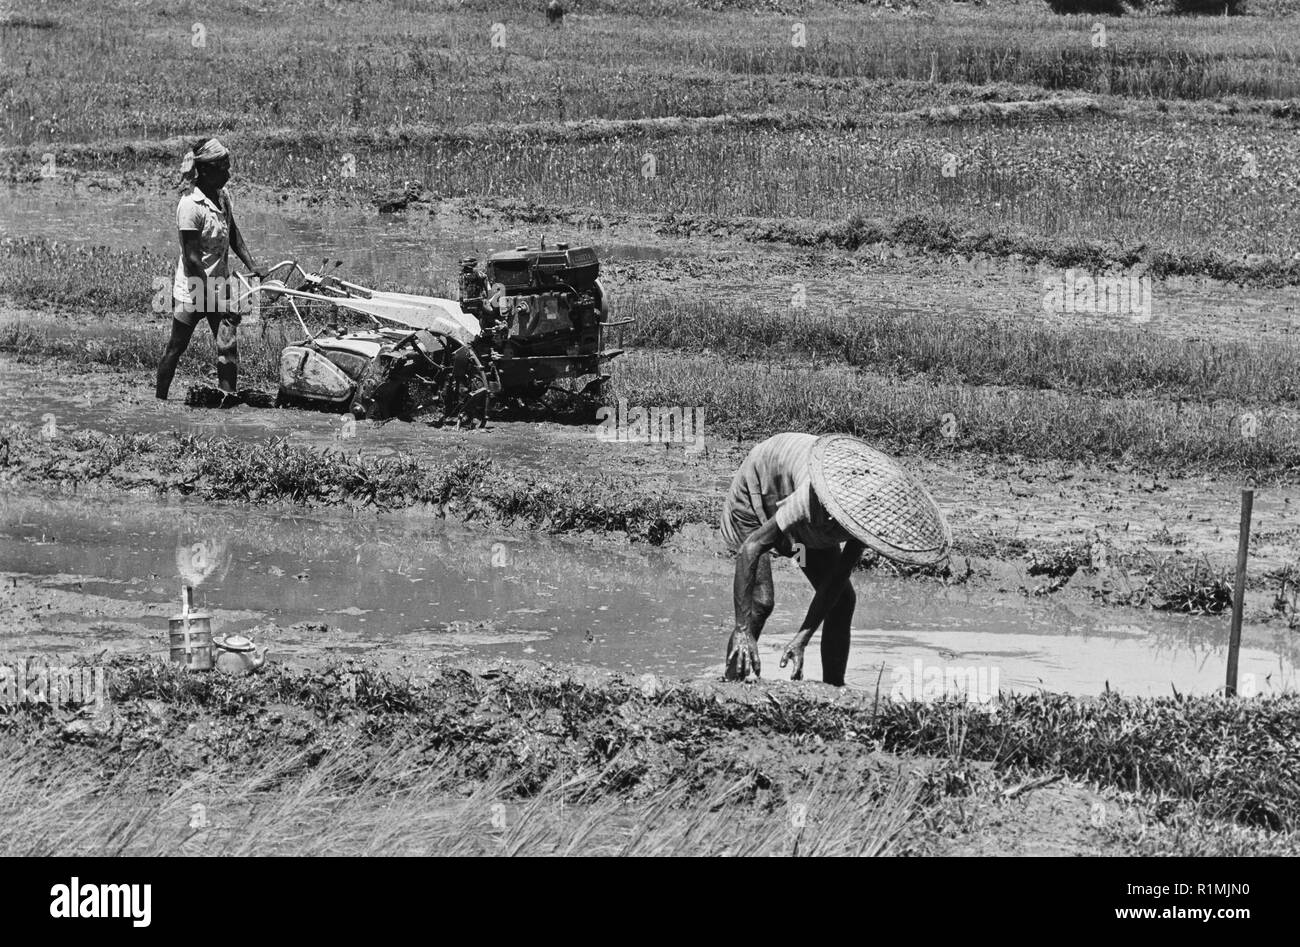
pixel 742 656
pixel 794 653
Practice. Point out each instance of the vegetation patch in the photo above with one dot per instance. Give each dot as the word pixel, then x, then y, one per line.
pixel 460 741
pixel 467 486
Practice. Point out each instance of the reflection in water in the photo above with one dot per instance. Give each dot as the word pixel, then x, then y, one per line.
pixel 416 583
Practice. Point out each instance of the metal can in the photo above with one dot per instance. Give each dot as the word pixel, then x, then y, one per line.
pixel 191 635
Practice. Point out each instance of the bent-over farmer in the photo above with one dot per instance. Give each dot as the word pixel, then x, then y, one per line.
pixel 205 220
pixel 824 501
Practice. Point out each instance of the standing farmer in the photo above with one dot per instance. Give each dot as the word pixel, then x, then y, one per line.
pixel 803 496
pixel 205 220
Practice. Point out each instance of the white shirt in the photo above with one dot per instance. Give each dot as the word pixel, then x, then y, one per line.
pixel 198 213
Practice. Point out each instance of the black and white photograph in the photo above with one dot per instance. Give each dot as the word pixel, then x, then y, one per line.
pixel 468 428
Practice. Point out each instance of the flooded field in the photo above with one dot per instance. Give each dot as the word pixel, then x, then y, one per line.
pixel 408 248
pixel 82 575
pixel 422 246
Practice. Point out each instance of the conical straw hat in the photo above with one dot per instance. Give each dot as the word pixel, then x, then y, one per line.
pixel 878 502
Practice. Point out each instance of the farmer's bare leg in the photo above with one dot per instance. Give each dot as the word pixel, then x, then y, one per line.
pixel 227 342
pixel 176 346
pixel 830 574
pixel 819 568
pixel 835 637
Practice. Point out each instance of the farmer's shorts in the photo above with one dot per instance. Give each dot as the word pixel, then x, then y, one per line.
pixel 188 315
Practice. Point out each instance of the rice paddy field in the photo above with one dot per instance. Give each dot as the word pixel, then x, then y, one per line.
pixel 817 216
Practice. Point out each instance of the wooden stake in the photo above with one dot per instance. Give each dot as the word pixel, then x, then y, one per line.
pixel 1239 591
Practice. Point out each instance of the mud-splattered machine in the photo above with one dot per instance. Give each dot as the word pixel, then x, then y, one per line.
pixel 528 319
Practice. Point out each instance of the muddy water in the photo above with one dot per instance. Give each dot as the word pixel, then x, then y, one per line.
pixel 405 248
pixel 84 576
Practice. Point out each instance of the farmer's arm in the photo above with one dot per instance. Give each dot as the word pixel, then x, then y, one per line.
pixel 758 544
pixel 827 592
pixel 195 278
pixel 192 254
pixel 241 249
pixel 742 648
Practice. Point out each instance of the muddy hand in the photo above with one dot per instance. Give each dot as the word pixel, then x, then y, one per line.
pixel 742 656
pixel 794 652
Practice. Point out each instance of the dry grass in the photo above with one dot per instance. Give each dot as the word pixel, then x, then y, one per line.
pixel 435 63
pixel 529 761
pixel 344 805
pixel 1200 185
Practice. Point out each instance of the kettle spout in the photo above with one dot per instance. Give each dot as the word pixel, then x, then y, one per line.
pixel 259 658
